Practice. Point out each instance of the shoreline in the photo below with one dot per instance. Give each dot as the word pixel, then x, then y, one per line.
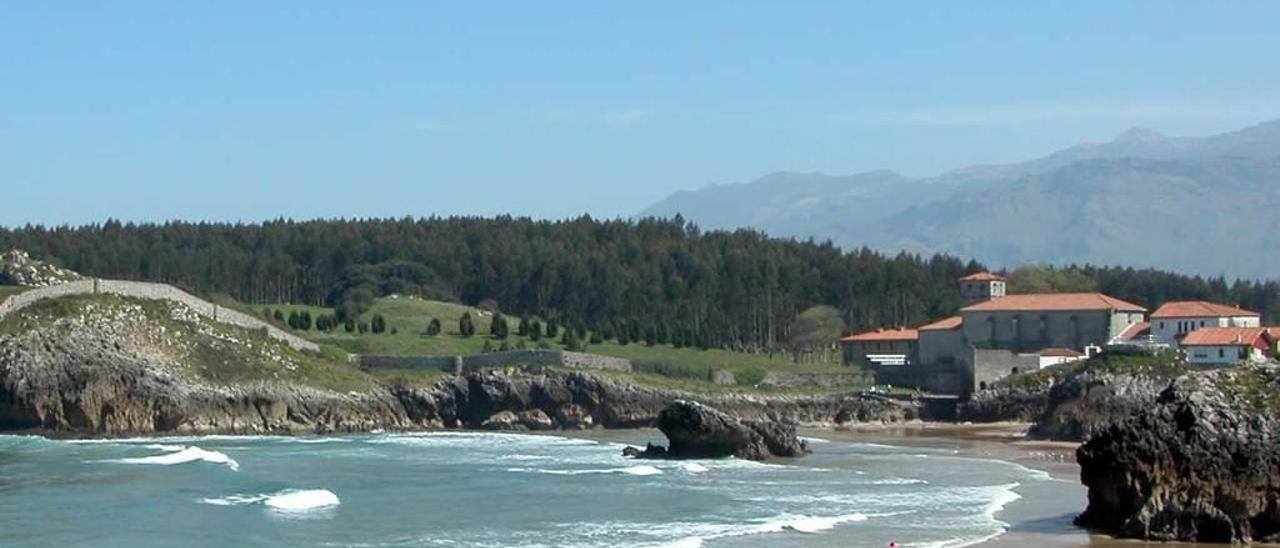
pixel 1043 515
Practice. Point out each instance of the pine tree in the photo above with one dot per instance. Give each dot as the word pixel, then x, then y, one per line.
pixel 362 327
pixel 535 330
pixel 304 321
pixel 378 324
pixel 466 327
pixel 278 315
pixel 433 328
pixel 498 327
pixel 294 320
pixel 570 341
pixel 553 329
pixel 523 329
pixel 349 325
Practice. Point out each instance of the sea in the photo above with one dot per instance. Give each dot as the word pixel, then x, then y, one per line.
pixel 489 489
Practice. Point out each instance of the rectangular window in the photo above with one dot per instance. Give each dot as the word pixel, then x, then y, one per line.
pixel 1222 353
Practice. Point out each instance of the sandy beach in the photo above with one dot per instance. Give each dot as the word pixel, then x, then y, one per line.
pixel 1044 514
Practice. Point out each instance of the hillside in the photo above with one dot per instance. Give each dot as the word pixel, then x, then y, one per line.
pixel 408 317
pixel 1201 205
pixel 104 365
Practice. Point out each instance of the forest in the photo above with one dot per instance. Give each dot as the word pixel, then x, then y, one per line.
pixel 716 289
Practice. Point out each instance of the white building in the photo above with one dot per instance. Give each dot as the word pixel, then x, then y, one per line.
pixel 1173 321
pixel 1227 345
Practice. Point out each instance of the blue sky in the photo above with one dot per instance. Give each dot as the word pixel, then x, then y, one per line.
pixel 246 111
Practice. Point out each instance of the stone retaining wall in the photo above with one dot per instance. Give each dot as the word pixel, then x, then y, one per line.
pixel 148 290
pixel 480 362
pixel 835 379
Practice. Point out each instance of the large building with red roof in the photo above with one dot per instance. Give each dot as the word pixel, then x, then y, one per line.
pixel 1031 322
pixel 1174 320
pixel 893 347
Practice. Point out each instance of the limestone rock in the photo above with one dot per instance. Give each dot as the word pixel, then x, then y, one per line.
pixel 699 431
pixel 18 268
pixel 1202 463
pixel 536 419
pixel 503 420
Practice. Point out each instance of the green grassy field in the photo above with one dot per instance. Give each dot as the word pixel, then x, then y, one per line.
pixel 409 317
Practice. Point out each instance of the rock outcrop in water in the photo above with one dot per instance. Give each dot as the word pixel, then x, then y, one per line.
pixel 696 431
pixel 1200 464
pixel 106 366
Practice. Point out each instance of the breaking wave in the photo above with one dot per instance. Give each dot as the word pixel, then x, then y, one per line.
pixel 288 500
pixel 181 455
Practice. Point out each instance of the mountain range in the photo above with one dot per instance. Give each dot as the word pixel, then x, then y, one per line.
pixel 1200 205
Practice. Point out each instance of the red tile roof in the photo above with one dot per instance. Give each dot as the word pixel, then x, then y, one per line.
pixel 943 325
pixel 1060 353
pixel 983 277
pixel 1223 336
pixel 882 334
pixel 1140 329
pixel 1199 309
pixel 1037 302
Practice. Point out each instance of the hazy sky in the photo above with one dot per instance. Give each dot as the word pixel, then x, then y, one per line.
pixel 244 111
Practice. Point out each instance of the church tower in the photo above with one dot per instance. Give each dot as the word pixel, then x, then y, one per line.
pixel 982 287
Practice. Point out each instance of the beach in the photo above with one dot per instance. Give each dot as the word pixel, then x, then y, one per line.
pixel 1043 515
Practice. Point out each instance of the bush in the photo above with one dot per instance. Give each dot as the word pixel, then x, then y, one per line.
pixel 433 328
pixel 379 324
pixel 749 376
pixel 349 325
pixel 466 327
pixel 498 327
pixel 278 315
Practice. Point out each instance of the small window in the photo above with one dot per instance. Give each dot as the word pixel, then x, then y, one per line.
pixel 1222 353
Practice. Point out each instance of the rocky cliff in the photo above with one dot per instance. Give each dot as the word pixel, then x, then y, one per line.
pixel 1202 463
pixel 1072 402
pixel 111 366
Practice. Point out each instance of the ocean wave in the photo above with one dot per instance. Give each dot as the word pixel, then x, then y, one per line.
pixel 183 456
pixel 641 470
pixel 809 439
pixel 288 500
pixel 693 467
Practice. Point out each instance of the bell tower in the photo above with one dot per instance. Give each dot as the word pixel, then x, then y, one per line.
pixel 982 287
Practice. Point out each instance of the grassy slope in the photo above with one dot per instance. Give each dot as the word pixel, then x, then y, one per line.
pixel 1161 366
pixel 198 348
pixel 411 316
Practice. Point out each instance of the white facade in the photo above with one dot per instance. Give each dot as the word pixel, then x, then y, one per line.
pixel 1167 330
pixel 1222 355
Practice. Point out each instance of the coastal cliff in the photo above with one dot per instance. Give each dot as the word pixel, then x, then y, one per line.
pixel 1072 402
pixel 110 366
pixel 1202 463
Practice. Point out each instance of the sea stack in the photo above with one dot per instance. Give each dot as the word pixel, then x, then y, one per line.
pixel 697 431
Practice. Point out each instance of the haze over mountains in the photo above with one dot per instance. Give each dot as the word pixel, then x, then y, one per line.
pixel 1203 205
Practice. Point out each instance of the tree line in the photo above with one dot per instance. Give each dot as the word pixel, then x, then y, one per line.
pixel 649 279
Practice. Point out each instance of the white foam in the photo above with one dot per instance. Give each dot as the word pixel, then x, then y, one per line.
pixel 183 456
pixel 807 524
pixel 301 500
pixel 288 500
pixel 641 470
pixel 161 447
pixel 808 439
pixel 693 467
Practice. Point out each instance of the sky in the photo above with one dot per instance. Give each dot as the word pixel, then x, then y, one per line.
pixel 244 111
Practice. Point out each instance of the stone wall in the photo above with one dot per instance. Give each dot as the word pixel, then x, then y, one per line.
pixel 795 379
pixel 147 290
pixel 494 360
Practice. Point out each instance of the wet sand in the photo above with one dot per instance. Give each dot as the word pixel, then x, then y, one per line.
pixel 1044 514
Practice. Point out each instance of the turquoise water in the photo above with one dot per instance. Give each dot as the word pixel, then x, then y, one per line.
pixel 486 489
